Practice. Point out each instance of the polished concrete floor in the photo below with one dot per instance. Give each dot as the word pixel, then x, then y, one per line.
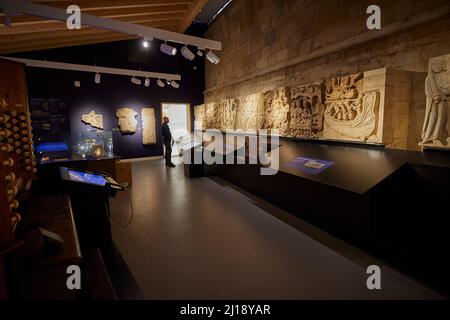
pixel 204 239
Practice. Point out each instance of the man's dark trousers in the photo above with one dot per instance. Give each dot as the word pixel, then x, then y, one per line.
pixel 168 154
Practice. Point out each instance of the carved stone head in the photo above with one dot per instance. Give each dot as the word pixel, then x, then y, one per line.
pixel 438 65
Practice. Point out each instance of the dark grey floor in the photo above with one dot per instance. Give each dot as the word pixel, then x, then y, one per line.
pixel 201 239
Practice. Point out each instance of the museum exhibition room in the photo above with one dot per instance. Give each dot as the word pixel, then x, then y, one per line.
pixel 226 150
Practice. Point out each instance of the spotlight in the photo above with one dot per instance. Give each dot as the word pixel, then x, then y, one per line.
pixel 165 48
pixel 160 83
pixel 211 56
pixel 168 82
pixel 200 53
pixel 147 82
pixel 97 77
pixel 187 53
pixel 175 84
pixel 136 81
pixel 146 42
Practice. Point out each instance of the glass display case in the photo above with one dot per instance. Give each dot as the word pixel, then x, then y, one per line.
pixel 92 144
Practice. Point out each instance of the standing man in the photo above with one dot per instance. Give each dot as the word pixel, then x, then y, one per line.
pixel 167 141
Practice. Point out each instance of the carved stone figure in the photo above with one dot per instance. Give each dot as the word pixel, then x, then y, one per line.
pixel 226 114
pixel 276 110
pixel 127 120
pixel 148 126
pixel 350 114
pixel 200 117
pixel 250 113
pixel 307 109
pixel 211 110
pixel 93 119
pixel 437 89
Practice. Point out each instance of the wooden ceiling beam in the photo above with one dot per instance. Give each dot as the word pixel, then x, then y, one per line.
pixel 110 13
pixel 57 25
pixel 112 4
pixel 72 34
pixel 59 42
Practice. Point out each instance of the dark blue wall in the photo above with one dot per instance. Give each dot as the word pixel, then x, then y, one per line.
pixel 116 91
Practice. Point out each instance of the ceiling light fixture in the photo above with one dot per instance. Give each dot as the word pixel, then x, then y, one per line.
pixel 188 54
pixel 147 82
pixel 211 56
pixel 200 53
pixel 97 77
pixel 169 50
pixel 175 84
pixel 136 81
pixel 160 83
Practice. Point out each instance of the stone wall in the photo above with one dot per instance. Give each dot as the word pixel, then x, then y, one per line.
pixel 287 43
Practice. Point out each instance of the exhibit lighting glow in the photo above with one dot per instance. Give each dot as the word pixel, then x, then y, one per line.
pixel 169 50
pixel 160 83
pixel 212 57
pixel 188 54
pixel 175 84
pixel 136 81
pixel 200 53
pixel 97 77
pixel 168 81
pixel 145 43
pixel 147 82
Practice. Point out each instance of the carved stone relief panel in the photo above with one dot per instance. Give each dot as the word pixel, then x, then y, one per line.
pixel 435 130
pixel 127 120
pixel 276 110
pixel 211 110
pixel 226 114
pixel 250 112
pixel 307 110
pixel 148 126
pixel 200 117
pixel 350 113
pixel 93 119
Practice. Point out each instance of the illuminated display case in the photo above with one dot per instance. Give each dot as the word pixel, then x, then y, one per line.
pixel 92 144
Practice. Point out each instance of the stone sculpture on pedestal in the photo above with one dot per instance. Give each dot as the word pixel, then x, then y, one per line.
pixel 437 89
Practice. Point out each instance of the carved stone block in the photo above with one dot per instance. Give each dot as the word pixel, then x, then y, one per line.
pixel 200 117
pixel 93 119
pixel 307 110
pixel 211 110
pixel 250 112
pixel 127 120
pixel 226 114
pixel 148 126
pixel 276 110
pixel 350 113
